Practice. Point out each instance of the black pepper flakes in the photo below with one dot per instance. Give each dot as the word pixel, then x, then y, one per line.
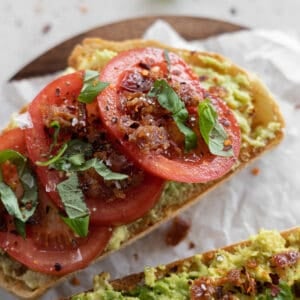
pixel 46 28
pixel 57 267
pixel 203 78
pixel 47 209
pixel 57 91
pixel 3 225
pixel 144 66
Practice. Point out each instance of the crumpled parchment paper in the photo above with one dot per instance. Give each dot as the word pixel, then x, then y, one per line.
pixel 241 206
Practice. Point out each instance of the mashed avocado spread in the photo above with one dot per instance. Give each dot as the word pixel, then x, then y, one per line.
pixel 268 267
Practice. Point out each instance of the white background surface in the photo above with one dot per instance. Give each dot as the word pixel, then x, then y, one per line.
pixel 23 22
pixel 23 37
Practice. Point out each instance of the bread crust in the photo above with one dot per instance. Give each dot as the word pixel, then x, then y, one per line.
pixel 266 110
pixel 129 282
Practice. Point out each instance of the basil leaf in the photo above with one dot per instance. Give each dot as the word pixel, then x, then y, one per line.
pixel 10 201
pixel 20 226
pixel 56 126
pixel 101 169
pixel 53 159
pixel 79 225
pixel 90 75
pixel 24 208
pixel 78 147
pixel 91 87
pixel 211 130
pixel 77 159
pixel 285 293
pixel 74 160
pixel 169 100
pixel 72 197
pixel 17 158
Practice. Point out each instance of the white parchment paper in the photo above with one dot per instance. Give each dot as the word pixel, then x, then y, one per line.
pixel 244 204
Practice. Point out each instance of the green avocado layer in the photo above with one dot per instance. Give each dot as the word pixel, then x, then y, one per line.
pixel 256 259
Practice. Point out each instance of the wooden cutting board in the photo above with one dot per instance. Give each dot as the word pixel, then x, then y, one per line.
pixel 190 28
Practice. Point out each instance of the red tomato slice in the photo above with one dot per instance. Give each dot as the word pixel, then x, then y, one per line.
pixel 13 139
pixel 50 246
pixel 125 104
pixel 133 203
pixel 38 142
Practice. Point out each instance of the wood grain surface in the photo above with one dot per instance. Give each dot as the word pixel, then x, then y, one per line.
pixel 190 28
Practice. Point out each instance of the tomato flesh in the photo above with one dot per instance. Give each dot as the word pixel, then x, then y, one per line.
pixel 13 139
pixel 50 246
pixel 110 203
pixel 162 152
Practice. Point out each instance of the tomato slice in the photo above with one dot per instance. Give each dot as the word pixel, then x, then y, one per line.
pixel 110 203
pixel 13 139
pixel 37 141
pixel 50 246
pixel 146 131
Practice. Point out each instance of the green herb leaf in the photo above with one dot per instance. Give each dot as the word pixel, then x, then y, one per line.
pixel 211 130
pixel 79 225
pixel 53 159
pixel 74 160
pixel 76 209
pixel 90 75
pixel 91 87
pixel 169 100
pixel 56 126
pixel 10 201
pixel 24 208
pixel 285 293
pixel 102 170
pixel 72 197
pixel 20 226
pixel 78 147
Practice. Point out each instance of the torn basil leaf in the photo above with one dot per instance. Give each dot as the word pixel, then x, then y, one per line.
pixel 90 75
pixel 92 86
pixel 102 170
pixel 73 200
pixel 20 227
pixel 79 225
pixel 56 126
pixel 25 207
pixel 283 292
pixel 74 160
pixel 169 100
pixel 53 159
pixel 72 197
pixel 211 130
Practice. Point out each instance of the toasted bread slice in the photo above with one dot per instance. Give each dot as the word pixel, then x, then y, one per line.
pixel 255 108
pixel 268 261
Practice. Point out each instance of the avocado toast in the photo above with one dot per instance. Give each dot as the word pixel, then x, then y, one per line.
pixel 261 128
pixel 264 267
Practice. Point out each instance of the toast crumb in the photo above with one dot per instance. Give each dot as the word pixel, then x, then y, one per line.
pixel 255 171
pixel 192 245
pixel 75 281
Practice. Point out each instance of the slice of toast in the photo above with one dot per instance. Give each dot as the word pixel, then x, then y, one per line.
pixel 269 261
pixel 257 112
